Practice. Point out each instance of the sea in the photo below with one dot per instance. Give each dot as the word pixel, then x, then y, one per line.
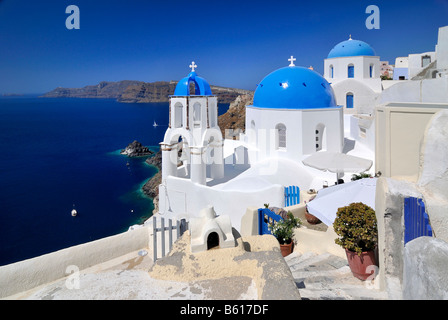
pixel 60 154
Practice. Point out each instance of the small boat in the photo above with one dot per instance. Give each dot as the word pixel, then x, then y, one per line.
pixel 155 124
pixel 74 212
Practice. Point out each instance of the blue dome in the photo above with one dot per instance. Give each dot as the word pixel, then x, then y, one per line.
pixel 351 48
pixel 294 88
pixel 201 86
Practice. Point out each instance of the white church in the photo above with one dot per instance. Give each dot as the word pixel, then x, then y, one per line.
pixel 353 69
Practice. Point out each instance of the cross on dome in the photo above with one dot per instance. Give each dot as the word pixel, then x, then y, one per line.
pixel 292 59
pixel 350 37
pixel 193 66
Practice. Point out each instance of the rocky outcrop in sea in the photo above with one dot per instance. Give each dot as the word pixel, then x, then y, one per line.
pixel 136 149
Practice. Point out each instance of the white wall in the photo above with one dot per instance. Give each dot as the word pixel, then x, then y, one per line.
pixel 442 48
pixel 402 62
pixel 362 69
pixel 300 131
pixel 364 98
pixel 28 274
pixel 181 198
pixel 427 91
pixel 415 62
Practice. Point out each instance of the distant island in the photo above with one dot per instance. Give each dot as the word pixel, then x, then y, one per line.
pixel 129 91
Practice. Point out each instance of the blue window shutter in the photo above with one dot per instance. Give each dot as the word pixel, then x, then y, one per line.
pixel 349 101
pixel 371 71
pixel 351 71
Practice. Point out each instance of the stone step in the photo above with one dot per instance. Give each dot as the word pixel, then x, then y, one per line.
pixel 326 276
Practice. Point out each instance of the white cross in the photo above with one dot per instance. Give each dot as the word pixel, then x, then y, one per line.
pixel 192 66
pixel 292 59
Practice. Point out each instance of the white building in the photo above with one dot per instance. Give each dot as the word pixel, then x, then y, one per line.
pixel 426 74
pixel 401 71
pixel 193 141
pixel 353 69
pixel 294 113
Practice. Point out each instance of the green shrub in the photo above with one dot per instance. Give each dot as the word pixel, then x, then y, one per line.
pixel 361 176
pixel 356 227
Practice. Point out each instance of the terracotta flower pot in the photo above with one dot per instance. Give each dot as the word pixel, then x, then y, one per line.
pixel 359 265
pixel 286 249
pixel 311 219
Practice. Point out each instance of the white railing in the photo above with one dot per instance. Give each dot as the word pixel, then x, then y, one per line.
pixel 180 226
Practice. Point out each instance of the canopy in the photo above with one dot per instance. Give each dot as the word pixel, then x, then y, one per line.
pixel 337 162
pixel 328 200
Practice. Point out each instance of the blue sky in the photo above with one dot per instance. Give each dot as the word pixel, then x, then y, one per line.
pixel 234 43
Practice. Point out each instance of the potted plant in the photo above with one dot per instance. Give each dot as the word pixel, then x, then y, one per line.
pixel 283 230
pixel 356 227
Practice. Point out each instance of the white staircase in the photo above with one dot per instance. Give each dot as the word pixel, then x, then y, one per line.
pixel 328 277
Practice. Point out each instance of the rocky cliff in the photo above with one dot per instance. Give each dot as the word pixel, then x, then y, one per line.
pixel 233 121
pixel 161 90
pixel 103 90
pixel 128 91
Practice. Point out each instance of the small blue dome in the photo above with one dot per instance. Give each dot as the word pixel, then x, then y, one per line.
pixel 201 86
pixel 294 88
pixel 351 48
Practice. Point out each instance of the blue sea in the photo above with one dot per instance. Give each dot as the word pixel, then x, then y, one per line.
pixel 63 153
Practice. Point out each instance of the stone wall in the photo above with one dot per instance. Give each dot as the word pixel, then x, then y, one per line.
pixel 425 275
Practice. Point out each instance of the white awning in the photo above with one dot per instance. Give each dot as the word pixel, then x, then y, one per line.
pixel 328 200
pixel 337 162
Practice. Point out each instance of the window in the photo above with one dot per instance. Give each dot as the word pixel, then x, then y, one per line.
pixel 281 136
pixel 178 115
pixel 197 115
pixel 320 137
pixel 349 100
pixel 371 71
pixel 331 71
pixel 351 71
pixel 426 60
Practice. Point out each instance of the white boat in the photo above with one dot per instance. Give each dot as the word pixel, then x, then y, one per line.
pixel 155 124
pixel 74 213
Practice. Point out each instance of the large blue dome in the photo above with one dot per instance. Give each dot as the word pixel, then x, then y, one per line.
pixel 202 88
pixel 351 48
pixel 294 88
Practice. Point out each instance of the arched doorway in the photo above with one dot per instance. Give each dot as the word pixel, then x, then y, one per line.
pixel 212 241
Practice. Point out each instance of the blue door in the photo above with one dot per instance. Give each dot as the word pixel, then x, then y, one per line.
pixel 416 220
pixel 351 71
pixel 349 101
